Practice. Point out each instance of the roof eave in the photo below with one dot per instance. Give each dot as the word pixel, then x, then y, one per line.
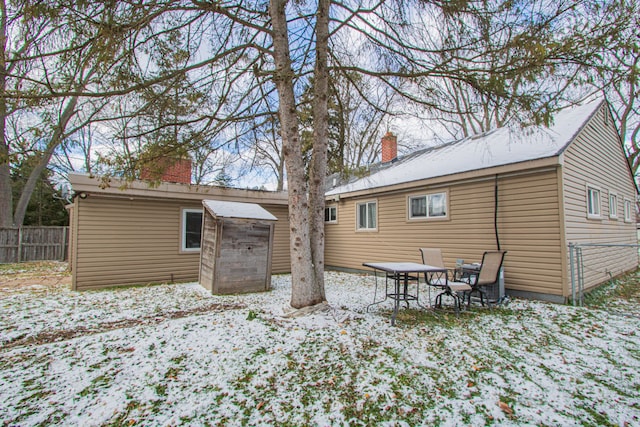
pixel 83 183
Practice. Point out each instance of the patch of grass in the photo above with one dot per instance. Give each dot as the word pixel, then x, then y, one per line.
pixel 28 382
pixel 172 373
pixel 179 359
pixel 597 419
pixel 125 418
pixel 37 395
pixel 161 389
pixel 610 383
pixel 53 419
pixel 32 267
pixel 445 317
pixel 626 288
pixel 101 381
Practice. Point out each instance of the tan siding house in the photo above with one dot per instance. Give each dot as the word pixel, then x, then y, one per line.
pixel 136 235
pixel 596 162
pixel 527 192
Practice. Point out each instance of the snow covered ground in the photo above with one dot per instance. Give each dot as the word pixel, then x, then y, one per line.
pixel 174 355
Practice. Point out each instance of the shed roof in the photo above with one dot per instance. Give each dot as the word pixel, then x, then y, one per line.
pixel 224 209
pixel 497 147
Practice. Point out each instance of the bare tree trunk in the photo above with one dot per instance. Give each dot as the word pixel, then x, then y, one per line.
pixel 280 185
pixel 54 142
pixel 6 197
pixel 303 292
pixel 280 161
pixel 318 171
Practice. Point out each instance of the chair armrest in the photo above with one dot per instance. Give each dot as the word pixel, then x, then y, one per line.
pixel 437 278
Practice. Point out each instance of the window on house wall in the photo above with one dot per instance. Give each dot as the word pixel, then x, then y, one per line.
pixel 428 206
pixel 593 202
pixel 628 210
pixel 191 229
pixel 367 215
pixel 331 214
pixel 613 205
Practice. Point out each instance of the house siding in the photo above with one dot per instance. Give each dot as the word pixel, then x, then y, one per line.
pixel 596 158
pixel 528 227
pixel 122 241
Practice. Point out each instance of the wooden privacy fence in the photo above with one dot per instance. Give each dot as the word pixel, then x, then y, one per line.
pixel 33 244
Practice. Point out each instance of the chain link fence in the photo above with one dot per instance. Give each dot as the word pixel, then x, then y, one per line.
pixel 590 264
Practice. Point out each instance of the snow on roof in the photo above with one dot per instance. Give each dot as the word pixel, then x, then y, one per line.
pixel 497 147
pixel 224 209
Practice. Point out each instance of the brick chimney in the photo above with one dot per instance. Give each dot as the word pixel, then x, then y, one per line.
pixel 389 147
pixel 170 170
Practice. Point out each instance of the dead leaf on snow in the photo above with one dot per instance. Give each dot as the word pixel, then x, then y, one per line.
pixel 505 408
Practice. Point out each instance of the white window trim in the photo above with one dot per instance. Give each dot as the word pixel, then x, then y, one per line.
pixel 410 217
pixel 589 214
pixel 183 229
pixel 630 211
pixel 366 230
pixel 335 221
pixel 613 214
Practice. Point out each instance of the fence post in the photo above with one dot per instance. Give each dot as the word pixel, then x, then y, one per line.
pixel 580 275
pixel 19 244
pixel 64 243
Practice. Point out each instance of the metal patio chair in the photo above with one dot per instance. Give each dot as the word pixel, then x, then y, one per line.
pixel 433 257
pixel 489 275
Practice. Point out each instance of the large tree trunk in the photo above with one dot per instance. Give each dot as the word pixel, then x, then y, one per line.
pixel 6 198
pixel 318 171
pixel 303 291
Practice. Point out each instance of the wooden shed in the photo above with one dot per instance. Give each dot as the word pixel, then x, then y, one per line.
pixel 236 247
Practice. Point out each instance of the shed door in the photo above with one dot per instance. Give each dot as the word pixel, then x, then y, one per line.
pixel 243 257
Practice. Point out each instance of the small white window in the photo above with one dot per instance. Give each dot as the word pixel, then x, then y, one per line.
pixel 613 205
pixel 593 202
pixel 366 216
pixel 331 214
pixel 628 210
pixel 191 230
pixel 428 206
